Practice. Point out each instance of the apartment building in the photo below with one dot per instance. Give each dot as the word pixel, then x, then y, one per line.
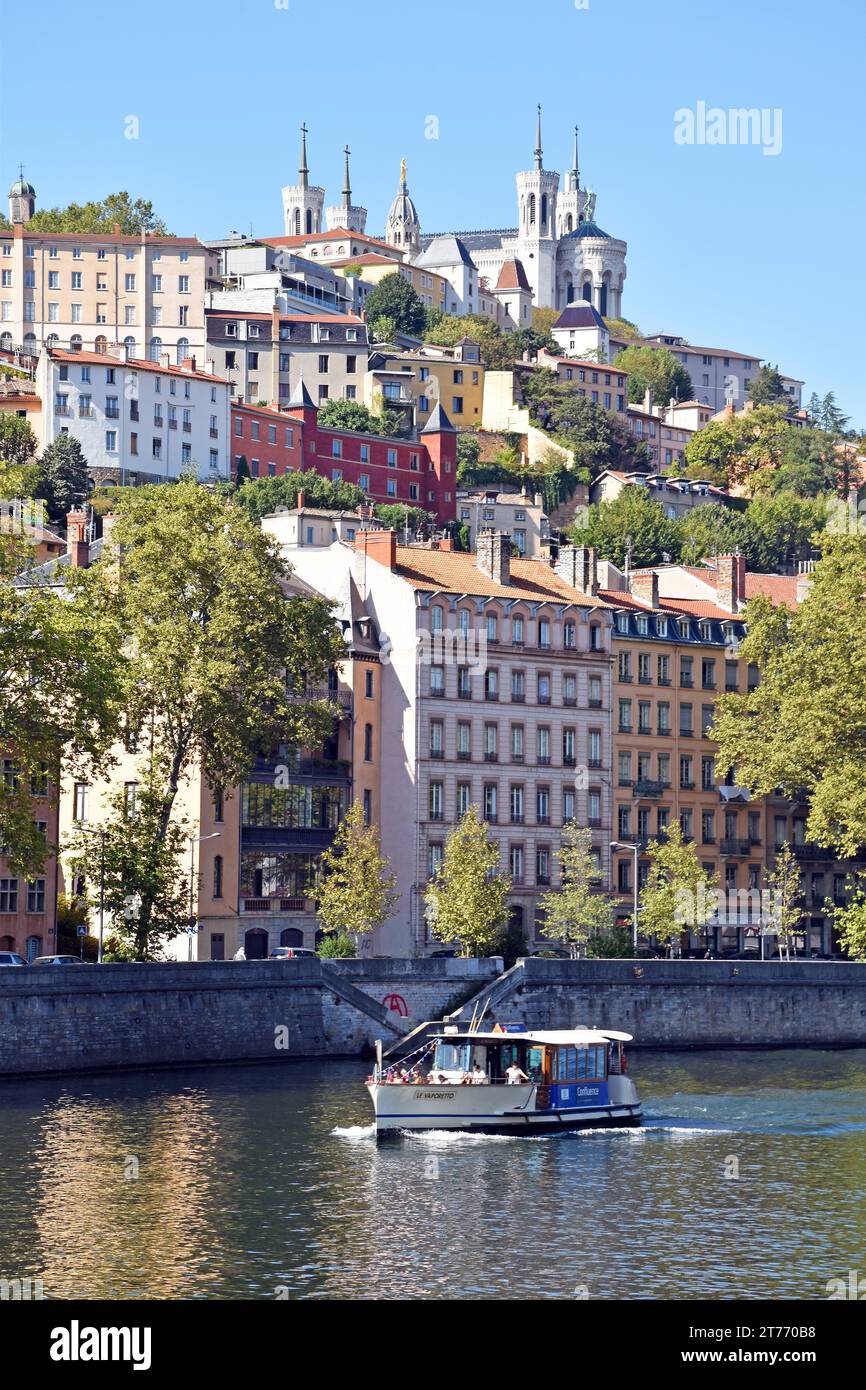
pixel 418 380
pixel 28 907
pixel 136 421
pixel 522 517
pixel 373 266
pixel 420 471
pixel 269 357
pixel 85 292
pixel 496 693
pixel 678 496
pixel 596 381
pixel 719 375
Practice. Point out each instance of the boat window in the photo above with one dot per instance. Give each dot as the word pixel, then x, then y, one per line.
pixel 452 1057
pixel 534 1057
pixel 566 1064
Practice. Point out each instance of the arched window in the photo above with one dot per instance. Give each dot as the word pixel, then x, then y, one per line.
pixel 309 226
pixel 297 222
pixel 602 302
pixel 544 212
pixel 569 223
pixel 154 349
pixel 129 344
pixel 30 343
pixel 594 637
pixel 569 636
pixel 218 876
pixel 587 292
pixel 75 343
pixel 6 342
pixel 532 209
pixel 52 340
pixel 182 350
pixel 291 936
pixel 101 344
pixel 569 298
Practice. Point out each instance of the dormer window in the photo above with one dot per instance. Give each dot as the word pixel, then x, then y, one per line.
pixel 642 624
pixel 706 631
pixel 662 627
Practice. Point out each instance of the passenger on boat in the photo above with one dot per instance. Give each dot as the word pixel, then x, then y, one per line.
pixel 514 1076
pixel 478 1077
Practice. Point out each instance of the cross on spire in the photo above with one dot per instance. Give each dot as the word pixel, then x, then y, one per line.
pixel 347 190
pixel 538 163
pixel 303 170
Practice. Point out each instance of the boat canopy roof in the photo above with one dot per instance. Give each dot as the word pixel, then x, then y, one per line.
pixel 565 1037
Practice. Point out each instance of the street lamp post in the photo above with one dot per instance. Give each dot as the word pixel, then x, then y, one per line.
pixel 193 841
pixel 632 849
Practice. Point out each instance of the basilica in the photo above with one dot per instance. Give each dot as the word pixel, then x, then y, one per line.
pixel 557 249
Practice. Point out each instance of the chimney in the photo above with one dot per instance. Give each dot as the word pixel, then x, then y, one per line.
pixel 77 545
pixel 378 545
pixel 188 364
pixel 446 543
pixel 493 556
pixel 648 400
pixel 645 586
pixel 731 582
pixel 804 579
pixel 302 497
pixel 577 565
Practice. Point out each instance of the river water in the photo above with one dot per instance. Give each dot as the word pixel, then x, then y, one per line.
pixel 748 1180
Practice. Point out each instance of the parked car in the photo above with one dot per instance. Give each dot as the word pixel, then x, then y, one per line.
pixel 443 955
pixel 289 952
pixel 57 960
pixel 11 958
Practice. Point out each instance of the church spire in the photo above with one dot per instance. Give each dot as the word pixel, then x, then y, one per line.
pixel 347 187
pixel 575 169
pixel 538 163
pixel 303 171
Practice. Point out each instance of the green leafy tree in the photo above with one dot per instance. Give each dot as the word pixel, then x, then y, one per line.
pixel 337 946
pixel 801 728
pixel 60 691
pixel 735 450
pixel 260 496
pixel 782 883
pixel 395 298
pixel 831 417
pixel 767 387
pixel 467 898
pixel 357 890
pixel 595 436
pixel 850 920
pixel 633 525
pixel 214 648
pixel 656 368
pixel 146 883
pixel 497 349
pixel 710 530
pixel 577 910
pixel 242 471
pixel 133 215
pixel 397 517
pixel 468 452
pixel 808 465
pixel 62 479
pixel 780 529
pixel 678 894
pixel 352 415
pixel 18 443
pixel 622 328
pixel 383 329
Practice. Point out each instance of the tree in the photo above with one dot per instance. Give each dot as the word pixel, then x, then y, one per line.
pixel 357 890
pixel 18 443
pixel 779 529
pixel 577 910
pixel 656 368
pixel 801 728
pixel 714 529
pixel 352 415
pixel 832 418
pixel 622 328
pixel 783 886
pixel 732 451
pixel 242 471
pixel 383 329
pixel 633 525
pixel 468 451
pixel 498 350
pixel 135 217
pixel 214 648
pixel 396 516
pixel 60 691
pixel 594 435
pixel 395 298
pixel 259 496
pixel 467 897
pixel 146 884
pixel 678 894
pixel 62 478
pixel 767 387
pixel 850 920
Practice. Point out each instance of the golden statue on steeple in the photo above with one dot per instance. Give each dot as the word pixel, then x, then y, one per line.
pixel 402 171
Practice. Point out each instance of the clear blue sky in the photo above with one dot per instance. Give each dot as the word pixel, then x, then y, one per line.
pixel 727 246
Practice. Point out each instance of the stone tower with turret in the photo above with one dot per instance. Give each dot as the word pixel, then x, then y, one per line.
pixel 303 201
pixel 22 199
pixel 344 214
pixel 403 228
pixel 537 190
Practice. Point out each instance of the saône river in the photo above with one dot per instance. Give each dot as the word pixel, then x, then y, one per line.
pixel 747 1180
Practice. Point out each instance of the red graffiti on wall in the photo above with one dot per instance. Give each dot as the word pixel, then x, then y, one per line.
pixel 397 1004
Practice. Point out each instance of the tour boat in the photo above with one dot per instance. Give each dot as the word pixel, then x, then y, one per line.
pixel 508 1081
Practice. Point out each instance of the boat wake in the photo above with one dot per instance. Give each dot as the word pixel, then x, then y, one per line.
pixel 354 1132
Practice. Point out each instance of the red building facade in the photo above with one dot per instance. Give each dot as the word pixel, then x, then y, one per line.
pixel 419 472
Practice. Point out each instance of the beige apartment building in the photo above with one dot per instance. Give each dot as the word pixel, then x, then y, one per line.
pixel 84 291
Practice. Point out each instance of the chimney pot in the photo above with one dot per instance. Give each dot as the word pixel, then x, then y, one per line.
pixel 493 556
pixel 645 586
pixel 578 566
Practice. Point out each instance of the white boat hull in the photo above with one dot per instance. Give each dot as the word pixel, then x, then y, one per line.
pixel 500 1109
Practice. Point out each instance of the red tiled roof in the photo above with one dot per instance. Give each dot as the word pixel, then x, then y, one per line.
pixel 512 276
pixel 779 588
pixel 135 364
pixel 455 572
